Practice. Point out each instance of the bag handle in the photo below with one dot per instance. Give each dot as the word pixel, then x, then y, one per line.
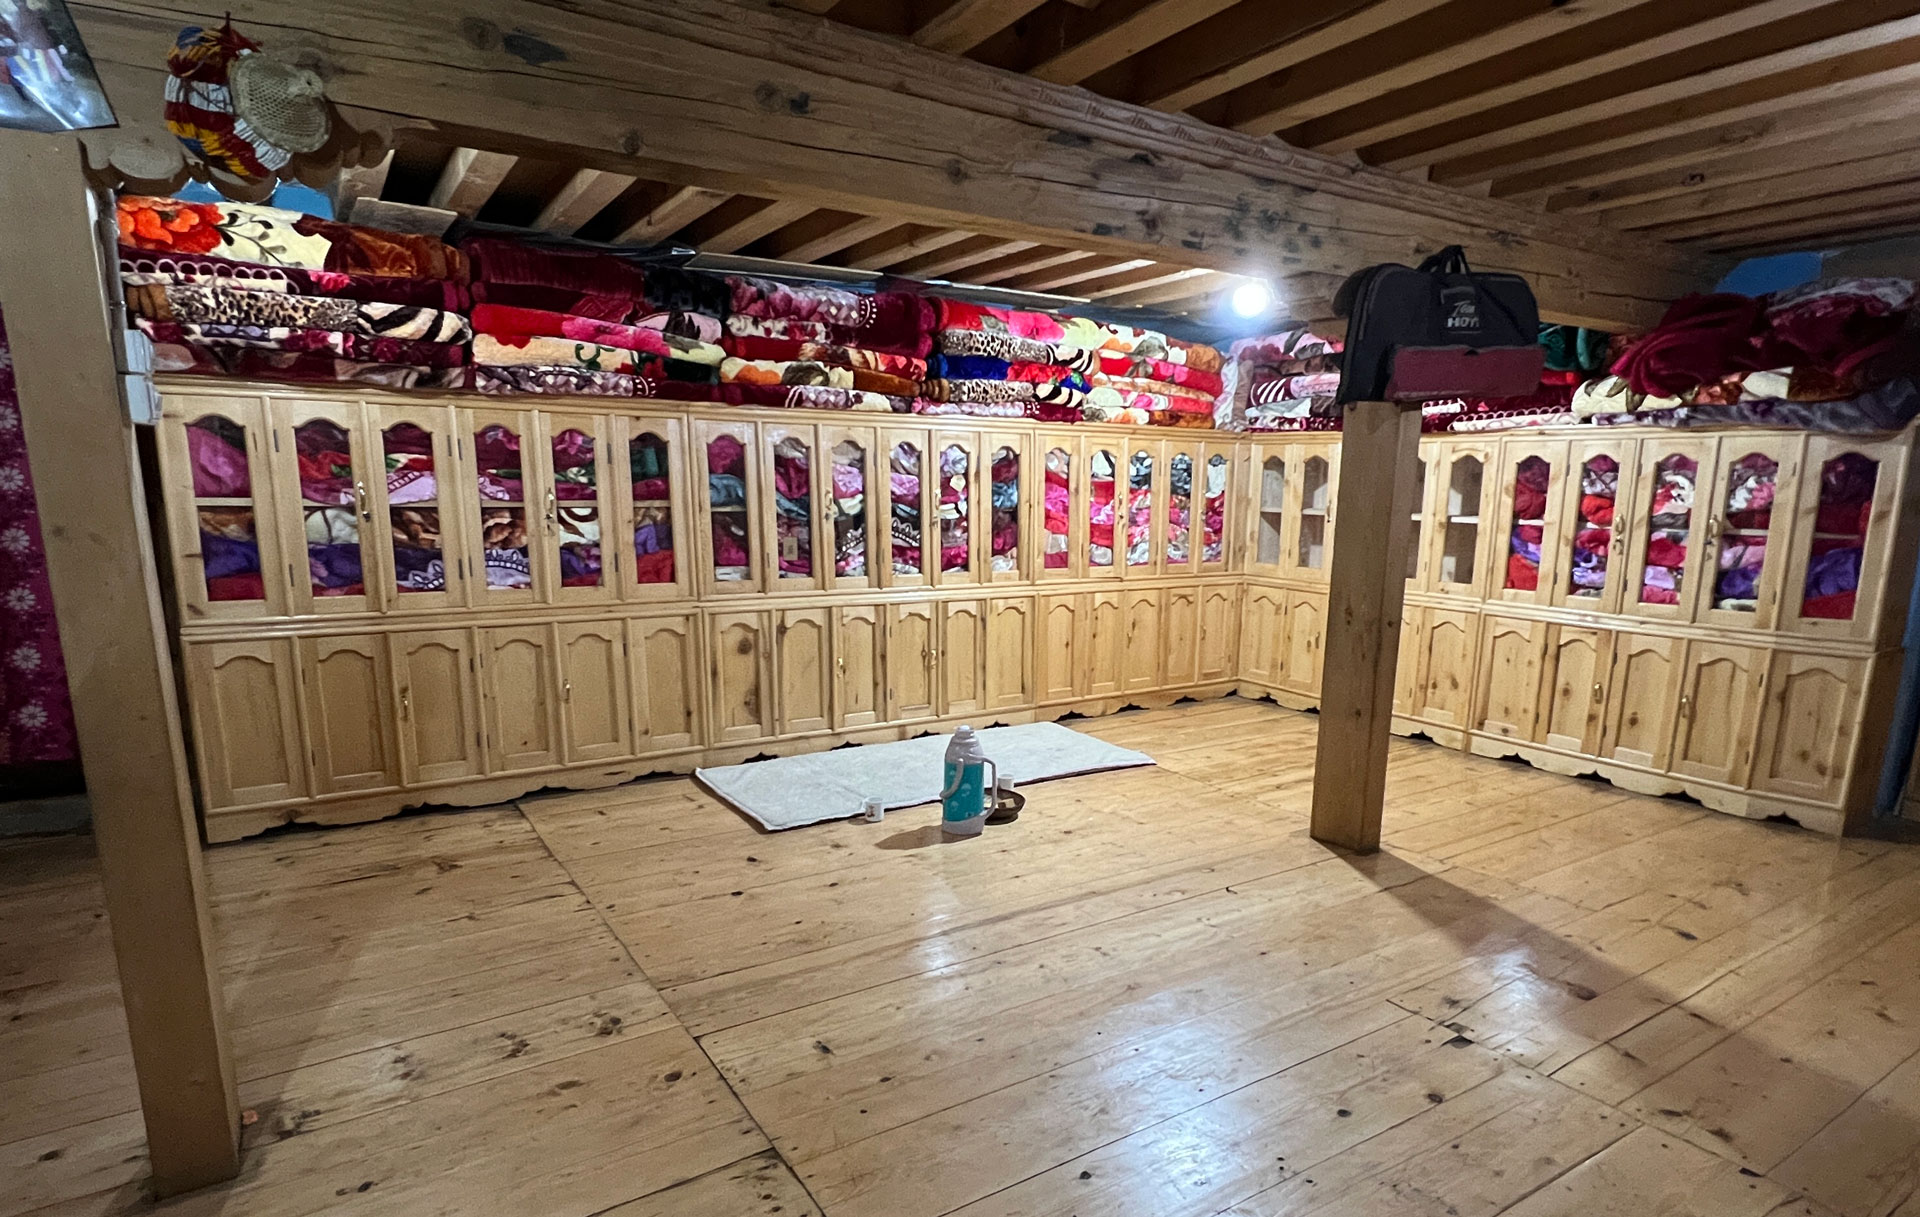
pixel 1450 261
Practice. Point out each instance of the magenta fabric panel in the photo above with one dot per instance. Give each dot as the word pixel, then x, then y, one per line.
pixel 36 717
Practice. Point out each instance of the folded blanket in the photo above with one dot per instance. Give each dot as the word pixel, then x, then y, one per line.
pixel 203 304
pixel 1009 348
pixel 271 236
pixel 552 380
pixel 973 409
pixel 783 349
pixel 1318 384
pixel 357 347
pixel 530 352
pixel 1152 402
pixel 140 270
pixel 1198 381
pixel 307 366
pixel 980 390
pixel 884 321
pixel 1018 323
pixel 761 372
pixel 790 397
pixel 587 271
pixel 508 323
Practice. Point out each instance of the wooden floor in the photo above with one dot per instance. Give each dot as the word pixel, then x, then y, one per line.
pixel 1152 997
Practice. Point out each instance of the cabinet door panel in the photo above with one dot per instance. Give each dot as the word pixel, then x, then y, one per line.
pixel 1304 639
pixel 963 657
pixel 1446 692
pixel 1060 649
pixel 249 727
pixel 1009 660
pixel 1808 724
pixel 1261 659
pixel 349 713
pixel 1510 676
pixel 521 696
pixel 1577 692
pixel 666 680
pixel 857 653
pixel 214 465
pixel 1142 658
pixel 806 685
pixel 1642 693
pixel 1106 643
pixel 1406 670
pixel 439 705
pixel 595 719
pixel 1180 636
pixel 911 661
pixel 1219 632
pixel 325 466
pixel 1713 737
pixel 742 674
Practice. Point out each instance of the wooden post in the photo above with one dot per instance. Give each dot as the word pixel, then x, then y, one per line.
pixel 1379 450
pixel 106 598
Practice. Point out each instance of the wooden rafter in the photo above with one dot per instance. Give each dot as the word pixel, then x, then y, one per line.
pixel 998 270
pixel 1807 216
pixel 964 24
pixel 1067 274
pixel 942 262
pixel 670 214
pixel 1090 41
pixel 1201 286
pixel 898 244
pixel 1139 279
pixel 582 197
pixel 1893 165
pixel 469 179
pixel 821 234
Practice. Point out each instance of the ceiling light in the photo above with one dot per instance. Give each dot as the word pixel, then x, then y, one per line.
pixel 1252 298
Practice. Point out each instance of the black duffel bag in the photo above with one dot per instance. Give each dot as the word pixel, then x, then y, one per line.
pixel 1438 331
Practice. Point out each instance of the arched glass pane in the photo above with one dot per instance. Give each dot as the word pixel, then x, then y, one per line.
pixel 1179 507
pixel 904 478
pixel 1669 526
pixel 652 509
pixel 1593 526
pixel 1419 522
pixel 1273 511
pixel 1461 545
pixel 413 509
pixel 1313 513
pixel 576 508
pixel 1747 514
pixel 727 505
pixel 793 508
pixel 328 508
pixel 1055 505
pixel 1530 483
pixel 849 509
pixel 223 505
pixel 1140 509
pixel 1006 510
pixel 1100 519
pixel 503 508
pixel 1839 542
pixel 1213 520
pixel 956 501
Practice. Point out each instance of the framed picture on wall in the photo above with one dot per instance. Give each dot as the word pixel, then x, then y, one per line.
pixel 47 82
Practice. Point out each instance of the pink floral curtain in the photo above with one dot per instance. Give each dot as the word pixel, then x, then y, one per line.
pixel 36 718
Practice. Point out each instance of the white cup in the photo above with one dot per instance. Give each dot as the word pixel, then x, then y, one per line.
pixel 874 811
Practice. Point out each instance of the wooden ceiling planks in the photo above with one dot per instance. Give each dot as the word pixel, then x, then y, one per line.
pixel 1617 109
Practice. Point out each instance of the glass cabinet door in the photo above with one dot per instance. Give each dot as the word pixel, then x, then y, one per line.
pixel 731 533
pixel 789 515
pixel 1213 512
pixel 653 492
pixel 1057 509
pixel 1005 512
pixel 1270 523
pixel 908 471
pixel 1106 509
pixel 1316 509
pixel 1417 535
pixel 1847 503
pixel 1140 530
pixel 956 500
pixel 1529 518
pixel 579 567
pixel 503 485
pixel 1599 488
pixel 1458 505
pixel 849 507
pixel 423 560
pixel 220 512
pixel 1179 552
pixel 328 447
pixel 1750 503
pixel 1664 567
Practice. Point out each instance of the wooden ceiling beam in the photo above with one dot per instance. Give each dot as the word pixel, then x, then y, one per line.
pixel 1204 284
pixel 1093 41
pixel 965 24
pixel 942 262
pixel 468 180
pixel 1257 38
pixel 1839 239
pixel 1091 266
pixel 678 208
pixel 1442 42
pixel 739 222
pixel 1825 230
pixel 757 102
pixel 823 234
pixel 582 197
pixel 1744 135
pixel 1830 205
pixel 359 182
pixel 996 270
pixel 1706 97
pixel 1784 186
pixel 1640 35
pixel 898 244
pixel 1145 277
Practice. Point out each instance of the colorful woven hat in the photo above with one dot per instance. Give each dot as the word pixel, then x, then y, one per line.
pixel 238 111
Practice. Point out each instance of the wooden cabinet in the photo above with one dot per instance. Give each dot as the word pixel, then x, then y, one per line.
pixel 1141 663
pixel 1511 655
pixel 1449 640
pixel 1574 706
pixel 1062 648
pixel 596 722
pixel 1106 634
pixel 666 672
pixel 1304 641
pixel 519 696
pixel 1262 654
pixel 803 649
pixel 913 657
pixel 1643 694
pixel 860 694
pixel 1807 725
pixel 247 726
pixel 741 679
pixel 963 659
pixel 1009 659
pixel 348 713
pixel 436 690
pixel 1407 673
pixel 1219 631
pixel 1180 637
pixel 1713 731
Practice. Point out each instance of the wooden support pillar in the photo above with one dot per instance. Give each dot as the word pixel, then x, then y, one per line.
pixel 1379 450
pixel 106 598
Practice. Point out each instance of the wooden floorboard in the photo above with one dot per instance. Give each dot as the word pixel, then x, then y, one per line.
pixel 1154 996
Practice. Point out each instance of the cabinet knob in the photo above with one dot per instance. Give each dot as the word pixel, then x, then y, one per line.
pixel 566 690
pixel 406 703
pixel 1686 706
pixel 1598 690
pixel 553 510
pixel 360 494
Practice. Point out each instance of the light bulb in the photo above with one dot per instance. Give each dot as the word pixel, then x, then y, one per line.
pixel 1252 298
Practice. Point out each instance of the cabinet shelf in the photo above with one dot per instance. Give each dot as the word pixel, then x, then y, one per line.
pixel 1452 520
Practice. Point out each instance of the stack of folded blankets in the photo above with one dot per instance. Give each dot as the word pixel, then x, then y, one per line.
pixel 1280 382
pixel 240 290
pixel 548 319
pixel 1007 363
pixel 823 347
pixel 1143 376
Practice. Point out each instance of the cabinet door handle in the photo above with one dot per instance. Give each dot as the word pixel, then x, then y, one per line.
pixel 553 510
pixel 1686 706
pixel 406 703
pixel 566 690
pixel 840 662
pixel 1598 690
pixel 360 493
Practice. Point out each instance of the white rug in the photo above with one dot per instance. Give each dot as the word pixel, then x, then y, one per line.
pixel 789 791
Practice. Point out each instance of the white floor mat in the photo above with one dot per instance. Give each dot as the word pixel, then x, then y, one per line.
pixel 790 791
